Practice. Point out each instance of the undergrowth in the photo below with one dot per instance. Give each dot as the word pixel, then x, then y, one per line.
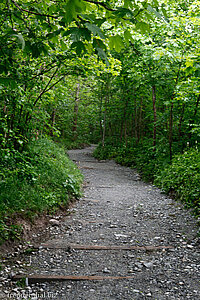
pixel 42 178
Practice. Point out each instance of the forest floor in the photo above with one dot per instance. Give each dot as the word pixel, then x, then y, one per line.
pixel 127 240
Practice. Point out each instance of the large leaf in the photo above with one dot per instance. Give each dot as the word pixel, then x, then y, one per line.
pixel 80 47
pixel 97 43
pixel 78 33
pixel 73 7
pixel 128 36
pixel 116 42
pixel 95 30
pixel 142 26
pixel 102 55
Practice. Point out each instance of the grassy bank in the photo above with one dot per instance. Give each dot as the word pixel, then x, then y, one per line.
pixel 42 178
pixel 180 177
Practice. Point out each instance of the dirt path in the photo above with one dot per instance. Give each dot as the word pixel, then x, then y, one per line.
pixel 141 235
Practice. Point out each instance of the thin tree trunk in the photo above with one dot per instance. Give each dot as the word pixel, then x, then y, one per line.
pixel 123 124
pixel 180 122
pixel 155 116
pixel 100 116
pixel 125 131
pixel 75 119
pixel 192 121
pixel 140 120
pixel 136 125
pixel 104 122
pixel 171 130
pixel 132 125
pixel 53 119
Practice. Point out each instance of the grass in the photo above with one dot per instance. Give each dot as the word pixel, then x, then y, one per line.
pixel 38 180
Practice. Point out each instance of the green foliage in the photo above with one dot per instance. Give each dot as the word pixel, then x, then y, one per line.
pixel 182 178
pixel 52 83
pixel 142 156
pixel 41 178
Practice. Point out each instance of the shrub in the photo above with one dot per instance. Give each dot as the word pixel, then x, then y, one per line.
pixel 183 178
pixel 42 178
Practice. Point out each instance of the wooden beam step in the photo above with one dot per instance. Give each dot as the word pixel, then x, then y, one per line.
pixel 47 278
pixel 55 245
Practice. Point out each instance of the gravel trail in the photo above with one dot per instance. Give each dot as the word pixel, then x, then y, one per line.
pixel 117 209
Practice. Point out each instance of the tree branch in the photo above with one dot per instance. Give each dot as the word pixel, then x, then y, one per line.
pixel 45 89
pixel 32 12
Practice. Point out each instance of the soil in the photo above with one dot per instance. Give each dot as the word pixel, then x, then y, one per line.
pixel 118 211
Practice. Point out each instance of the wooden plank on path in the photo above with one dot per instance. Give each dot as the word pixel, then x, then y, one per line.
pixel 47 278
pixel 61 245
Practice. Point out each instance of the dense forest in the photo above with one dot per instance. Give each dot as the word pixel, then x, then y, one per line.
pixel 121 74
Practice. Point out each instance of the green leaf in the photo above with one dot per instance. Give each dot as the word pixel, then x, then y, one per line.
pixel 80 47
pixel 123 12
pixel 116 42
pixel 128 3
pixel 54 33
pixel 95 30
pixel 99 22
pixel 155 2
pixel 142 26
pixel 78 33
pixel 90 17
pixel 102 55
pixel 164 12
pixel 73 7
pixel 128 36
pixel 151 9
pixel 97 43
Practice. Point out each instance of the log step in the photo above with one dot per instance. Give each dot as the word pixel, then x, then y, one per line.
pixel 48 278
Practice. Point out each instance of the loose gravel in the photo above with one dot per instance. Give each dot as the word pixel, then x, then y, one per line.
pixel 117 209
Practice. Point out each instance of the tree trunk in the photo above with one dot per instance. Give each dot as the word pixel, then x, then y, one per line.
pixel 100 116
pixel 123 124
pixel 171 130
pixel 136 123
pixel 155 116
pixel 104 122
pixel 53 119
pixel 180 122
pixel 140 120
pixel 75 120
pixel 191 143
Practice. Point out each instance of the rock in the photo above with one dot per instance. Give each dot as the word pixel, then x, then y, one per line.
pixel 120 235
pixel 138 265
pixel 106 270
pixel 136 291
pixel 148 264
pixel 54 222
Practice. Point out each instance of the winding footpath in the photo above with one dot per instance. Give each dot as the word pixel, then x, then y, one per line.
pixel 122 240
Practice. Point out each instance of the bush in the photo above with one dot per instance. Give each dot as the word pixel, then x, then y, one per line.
pixel 182 177
pixel 42 178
